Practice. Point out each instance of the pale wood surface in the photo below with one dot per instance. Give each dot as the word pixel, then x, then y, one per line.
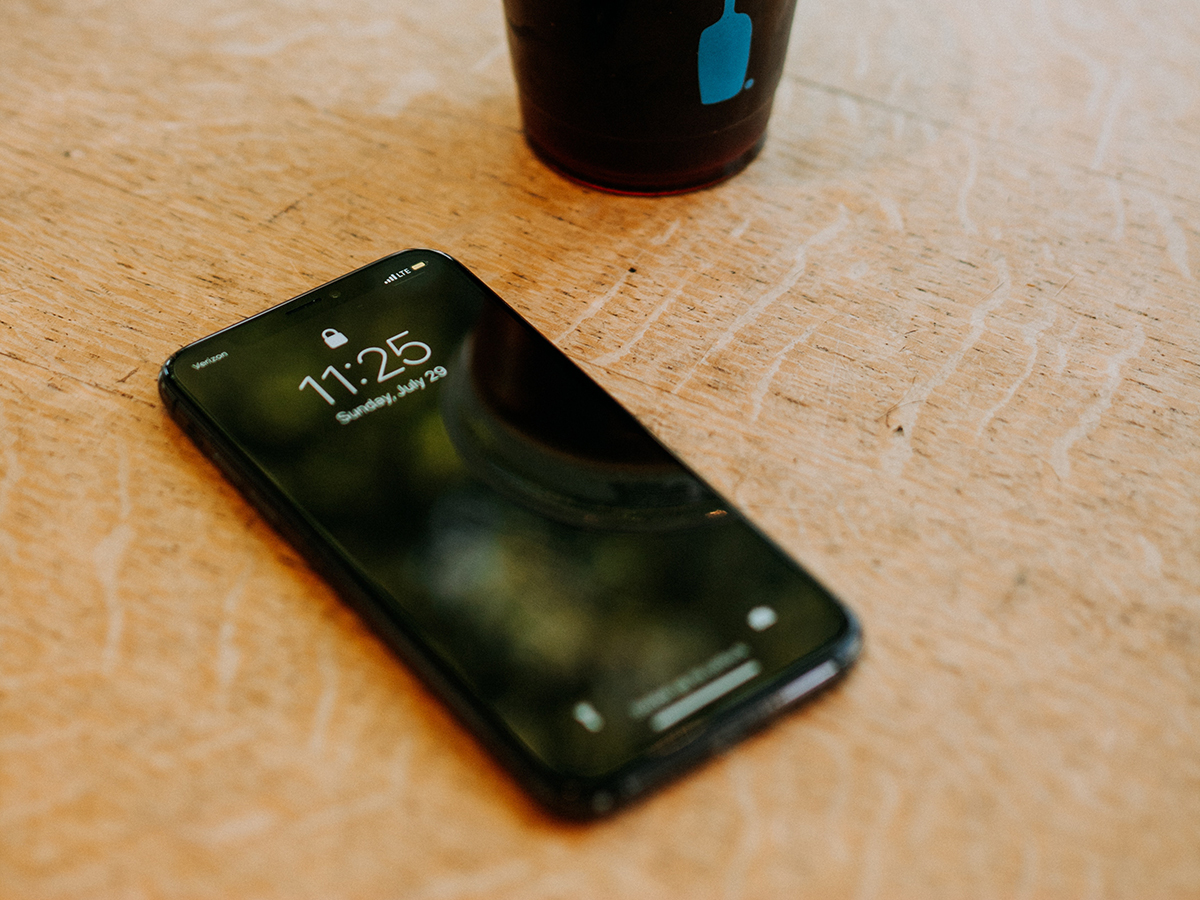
pixel 941 340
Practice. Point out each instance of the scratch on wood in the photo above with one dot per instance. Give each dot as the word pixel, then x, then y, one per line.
pixel 11 477
pixel 667 234
pixel 1104 138
pixel 106 560
pixel 1098 73
pixel 849 109
pixel 325 703
pixel 891 211
pixel 1095 879
pixel 964 217
pixel 871 862
pixel 277 43
pixel 1152 557
pixel 1030 866
pixel 785 284
pixel 46 737
pixel 595 306
pixel 485 61
pixel 1031 333
pixel 235 829
pixel 764 383
pixel 480 883
pixel 1177 247
pixel 614 355
pixel 898 450
pixel 1059 459
pixel 335 816
pixel 1060 364
pixel 405 89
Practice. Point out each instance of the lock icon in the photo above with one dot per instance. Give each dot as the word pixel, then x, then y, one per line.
pixel 333 338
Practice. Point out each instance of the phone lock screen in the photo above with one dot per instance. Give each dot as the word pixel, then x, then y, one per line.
pixel 589 606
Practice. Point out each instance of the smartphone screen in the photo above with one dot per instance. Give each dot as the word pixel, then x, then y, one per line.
pixel 588 605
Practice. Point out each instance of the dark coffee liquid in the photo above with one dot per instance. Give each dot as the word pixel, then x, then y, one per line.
pixel 648 97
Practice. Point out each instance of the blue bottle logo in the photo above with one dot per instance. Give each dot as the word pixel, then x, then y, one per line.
pixel 723 56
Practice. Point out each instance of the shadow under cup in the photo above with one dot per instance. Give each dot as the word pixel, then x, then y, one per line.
pixel 647 96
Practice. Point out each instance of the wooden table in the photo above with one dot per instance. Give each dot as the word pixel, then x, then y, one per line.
pixel 940 340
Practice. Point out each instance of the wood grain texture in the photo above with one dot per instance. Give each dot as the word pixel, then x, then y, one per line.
pixel 940 340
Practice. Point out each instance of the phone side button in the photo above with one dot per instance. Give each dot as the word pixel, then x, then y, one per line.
pixel 806 683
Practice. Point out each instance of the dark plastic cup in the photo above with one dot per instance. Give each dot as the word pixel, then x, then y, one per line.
pixel 647 96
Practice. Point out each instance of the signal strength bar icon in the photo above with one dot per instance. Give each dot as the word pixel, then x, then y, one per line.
pixel 396 276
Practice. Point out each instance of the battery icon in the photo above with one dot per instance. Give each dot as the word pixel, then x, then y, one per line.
pixel 419 265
